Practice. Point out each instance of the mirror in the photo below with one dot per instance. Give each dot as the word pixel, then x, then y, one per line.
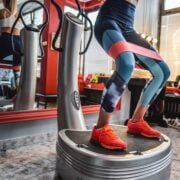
pixel 86 66
pixel 32 14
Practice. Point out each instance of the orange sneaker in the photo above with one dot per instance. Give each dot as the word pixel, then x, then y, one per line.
pixel 107 138
pixel 142 128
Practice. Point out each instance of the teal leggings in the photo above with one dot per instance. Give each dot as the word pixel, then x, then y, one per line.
pixel 107 33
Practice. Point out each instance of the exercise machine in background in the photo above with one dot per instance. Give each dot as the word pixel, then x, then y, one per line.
pixel 30 36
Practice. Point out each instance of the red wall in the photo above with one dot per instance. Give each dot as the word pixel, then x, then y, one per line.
pixel 49 63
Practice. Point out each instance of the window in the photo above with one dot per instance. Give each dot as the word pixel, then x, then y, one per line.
pixel 35 17
pixel 69 9
pixel 92 16
pixel 38 16
pixel 171 4
pixel 170 42
pixel 27 18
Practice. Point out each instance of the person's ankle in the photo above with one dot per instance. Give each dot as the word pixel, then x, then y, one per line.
pixel 99 126
pixel 135 120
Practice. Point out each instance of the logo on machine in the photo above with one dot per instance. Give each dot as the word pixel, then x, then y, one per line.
pixel 76 100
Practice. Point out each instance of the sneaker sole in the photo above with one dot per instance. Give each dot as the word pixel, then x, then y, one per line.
pixel 107 147
pixel 112 147
pixel 94 142
pixel 142 134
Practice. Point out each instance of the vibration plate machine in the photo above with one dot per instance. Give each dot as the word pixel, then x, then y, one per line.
pixel 77 158
pixel 31 36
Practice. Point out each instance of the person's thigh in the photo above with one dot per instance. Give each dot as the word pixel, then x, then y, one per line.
pixel 103 25
pixel 17 57
pixel 4 47
pixel 108 33
pixel 135 38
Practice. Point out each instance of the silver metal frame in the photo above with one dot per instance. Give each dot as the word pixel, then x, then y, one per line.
pixel 27 86
pixel 69 105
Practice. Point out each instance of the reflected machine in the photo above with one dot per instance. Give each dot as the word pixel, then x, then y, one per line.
pixel 30 35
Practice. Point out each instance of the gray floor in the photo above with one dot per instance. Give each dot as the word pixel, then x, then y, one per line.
pixel 33 157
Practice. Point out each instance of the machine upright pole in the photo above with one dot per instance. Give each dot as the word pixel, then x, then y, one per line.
pixel 70 115
pixel 30 36
pixel 27 87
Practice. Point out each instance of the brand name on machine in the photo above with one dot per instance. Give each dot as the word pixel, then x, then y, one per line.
pixel 76 100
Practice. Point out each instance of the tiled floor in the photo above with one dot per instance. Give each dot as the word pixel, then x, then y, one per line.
pixel 33 158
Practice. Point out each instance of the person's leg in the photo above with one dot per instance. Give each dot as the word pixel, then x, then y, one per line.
pixel 103 119
pixel 160 73
pixel 6 50
pixel 117 83
pixel 4 47
pixel 17 60
pixel 17 77
pixel 156 110
pixel 114 88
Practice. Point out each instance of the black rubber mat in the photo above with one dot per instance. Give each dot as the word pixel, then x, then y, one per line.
pixel 136 144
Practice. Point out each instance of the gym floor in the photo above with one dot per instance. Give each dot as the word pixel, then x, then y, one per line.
pixel 33 157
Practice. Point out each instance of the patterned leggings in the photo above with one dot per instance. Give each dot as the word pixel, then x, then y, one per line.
pixel 107 33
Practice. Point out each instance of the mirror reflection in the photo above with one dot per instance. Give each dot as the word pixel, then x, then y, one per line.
pixel 21 29
pixel 10 83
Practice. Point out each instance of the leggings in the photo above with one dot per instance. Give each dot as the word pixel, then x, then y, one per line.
pixel 107 33
pixel 6 48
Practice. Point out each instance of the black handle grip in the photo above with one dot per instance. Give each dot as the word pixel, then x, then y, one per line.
pixel 80 13
pixel 60 15
pixel 12 37
pixel 40 29
pixel 90 37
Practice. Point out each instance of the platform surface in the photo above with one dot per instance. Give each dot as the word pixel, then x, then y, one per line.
pixel 136 144
pixel 40 164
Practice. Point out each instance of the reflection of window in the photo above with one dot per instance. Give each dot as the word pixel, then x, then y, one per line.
pixel 170 4
pixel 27 19
pixel 170 42
pixel 38 17
pixel 35 16
pixel 69 9
pixel 92 16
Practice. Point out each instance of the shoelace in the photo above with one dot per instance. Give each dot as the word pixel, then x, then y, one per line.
pixel 146 126
pixel 110 132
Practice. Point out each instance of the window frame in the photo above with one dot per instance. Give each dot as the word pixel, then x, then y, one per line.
pixel 168 11
pixel 32 13
pixel 164 12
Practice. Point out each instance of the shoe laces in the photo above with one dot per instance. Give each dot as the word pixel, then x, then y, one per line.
pixel 146 125
pixel 111 134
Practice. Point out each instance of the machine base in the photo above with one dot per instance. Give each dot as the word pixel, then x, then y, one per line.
pixel 78 159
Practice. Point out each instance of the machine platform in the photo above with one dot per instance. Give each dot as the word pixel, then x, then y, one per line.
pixel 143 159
